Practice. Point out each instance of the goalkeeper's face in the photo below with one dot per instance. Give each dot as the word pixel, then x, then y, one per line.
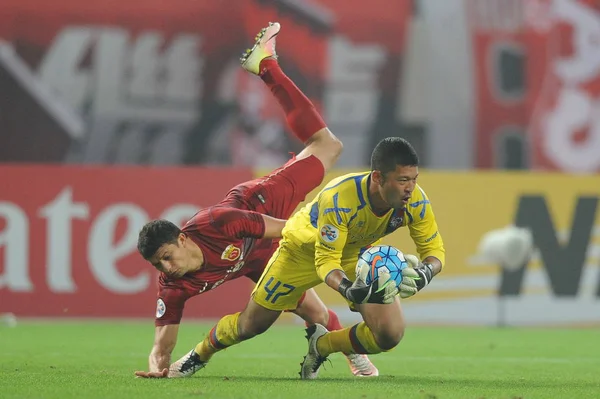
pixel 396 187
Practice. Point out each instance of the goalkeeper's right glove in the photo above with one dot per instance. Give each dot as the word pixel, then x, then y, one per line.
pixel 361 292
pixel 415 277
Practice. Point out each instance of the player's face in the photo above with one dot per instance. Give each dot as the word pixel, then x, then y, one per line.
pixel 174 260
pixel 396 187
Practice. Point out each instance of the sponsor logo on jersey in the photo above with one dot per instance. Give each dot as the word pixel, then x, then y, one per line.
pixel 231 253
pixel 204 287
pixel 432 237
pixel 238 266
pixel 161 308
pixel 322 244
pixel 329 233
pixel 218 283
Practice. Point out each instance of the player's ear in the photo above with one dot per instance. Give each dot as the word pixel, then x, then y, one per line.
pixel 377 177
pixel 181 238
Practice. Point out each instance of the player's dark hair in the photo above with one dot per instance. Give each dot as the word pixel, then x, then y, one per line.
pixel 154 235
pixel 391 152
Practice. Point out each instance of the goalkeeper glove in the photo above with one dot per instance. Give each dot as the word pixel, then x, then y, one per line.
pixel 415 277
pixel 361 292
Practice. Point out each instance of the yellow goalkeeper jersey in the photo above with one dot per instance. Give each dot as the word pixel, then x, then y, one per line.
pixel 339 223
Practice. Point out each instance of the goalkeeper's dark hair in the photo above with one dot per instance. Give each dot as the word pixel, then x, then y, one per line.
pixel 391 152
pixel 154 235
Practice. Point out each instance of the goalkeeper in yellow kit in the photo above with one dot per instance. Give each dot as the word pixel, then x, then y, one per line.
pixel 321 243
pixel 324 239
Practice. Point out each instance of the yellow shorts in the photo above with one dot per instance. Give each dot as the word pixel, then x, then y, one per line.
pixel 289 273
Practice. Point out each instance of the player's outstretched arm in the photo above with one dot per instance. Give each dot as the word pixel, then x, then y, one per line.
pixel 273 227
pixel 430 246
pixel 240 223
pixel 165 338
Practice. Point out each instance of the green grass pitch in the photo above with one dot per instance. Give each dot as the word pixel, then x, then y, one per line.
pixel 97 359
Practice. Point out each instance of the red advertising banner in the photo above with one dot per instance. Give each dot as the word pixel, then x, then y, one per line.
pixel 100 82
pixel 152 82
pixel 537 82
pixel 502 53
pixel 565 113
pixel 68 238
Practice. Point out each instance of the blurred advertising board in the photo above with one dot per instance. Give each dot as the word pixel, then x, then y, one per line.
pixel 68 238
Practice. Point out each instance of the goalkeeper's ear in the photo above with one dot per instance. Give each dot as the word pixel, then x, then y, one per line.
pixel 412 260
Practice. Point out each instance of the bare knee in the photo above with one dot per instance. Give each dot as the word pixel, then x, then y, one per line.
pixel 325 146
pixel 251 328
pixel 385 322
pixel 389 337
pixel 313 315
pixel 313 310
pixel 320 317
pixel 334 144
pixel 327 141
pixel 255 320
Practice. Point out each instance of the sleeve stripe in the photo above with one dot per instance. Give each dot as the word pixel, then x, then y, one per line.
pixel 314 214
pixel 424 202
pixel 358 181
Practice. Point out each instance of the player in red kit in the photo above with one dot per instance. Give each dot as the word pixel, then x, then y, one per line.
pixel 237 236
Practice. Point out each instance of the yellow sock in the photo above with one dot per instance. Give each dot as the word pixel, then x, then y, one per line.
pixel 222 336
pixel 356 339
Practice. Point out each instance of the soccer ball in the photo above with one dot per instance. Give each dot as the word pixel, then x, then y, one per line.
pixel 381 262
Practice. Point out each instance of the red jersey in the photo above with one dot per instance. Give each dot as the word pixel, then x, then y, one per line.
pixel 229 234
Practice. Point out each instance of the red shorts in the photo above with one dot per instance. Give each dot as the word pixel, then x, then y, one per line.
pixel 279 193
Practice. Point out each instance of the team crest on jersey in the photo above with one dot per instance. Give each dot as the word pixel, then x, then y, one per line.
pixel 161 308
pixel 231 253
pixel 396 222
pixel 329 233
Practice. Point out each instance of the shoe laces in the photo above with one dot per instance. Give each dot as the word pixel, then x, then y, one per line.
pixel 320 360
pixel 191 364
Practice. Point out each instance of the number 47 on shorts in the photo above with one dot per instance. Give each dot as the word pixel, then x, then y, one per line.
pixel 275 290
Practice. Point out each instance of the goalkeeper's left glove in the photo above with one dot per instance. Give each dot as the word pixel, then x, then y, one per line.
pixel 415 277
pixel 361 292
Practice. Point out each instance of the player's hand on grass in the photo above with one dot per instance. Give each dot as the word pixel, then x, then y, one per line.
pixel 415 277
pixel 153 374
pixel 361 292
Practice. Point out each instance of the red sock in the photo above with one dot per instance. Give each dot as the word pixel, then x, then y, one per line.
pixel 334 322
pixel 300 113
